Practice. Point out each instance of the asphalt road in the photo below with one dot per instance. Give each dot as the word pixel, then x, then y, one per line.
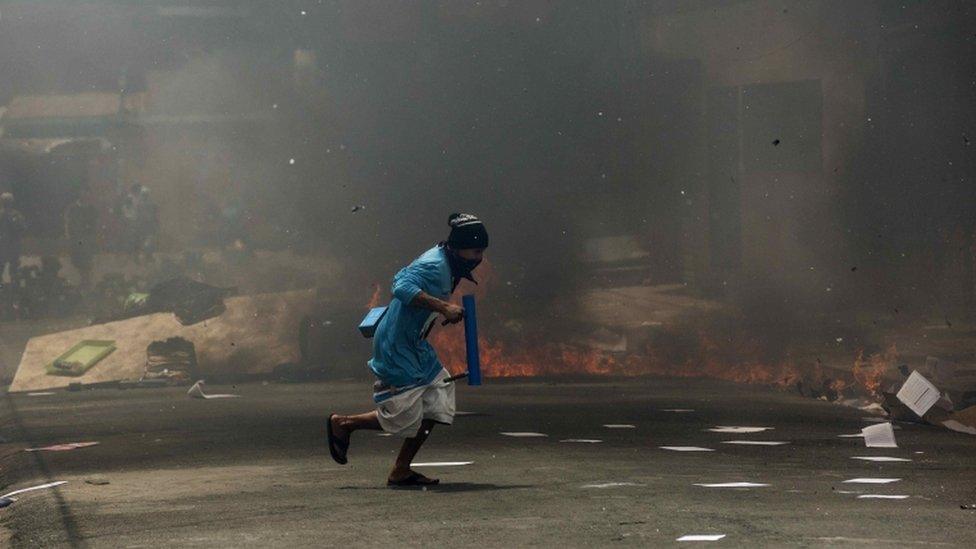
pixel 254 471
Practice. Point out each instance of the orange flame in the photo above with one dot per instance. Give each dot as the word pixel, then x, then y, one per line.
pixel 737 357
pixel 870 371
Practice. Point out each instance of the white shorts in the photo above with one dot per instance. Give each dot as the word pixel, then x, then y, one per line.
pixel 402 413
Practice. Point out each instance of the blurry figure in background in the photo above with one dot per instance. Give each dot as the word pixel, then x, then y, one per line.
pixel 12 229
pixel 232 234
pixel 80 231
pixel 128 212
pixel 141 219
pixel 147 225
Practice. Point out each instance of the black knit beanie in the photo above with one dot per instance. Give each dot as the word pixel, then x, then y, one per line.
pixel 467 231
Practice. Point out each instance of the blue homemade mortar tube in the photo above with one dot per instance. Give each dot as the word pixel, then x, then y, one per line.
pixel 471 340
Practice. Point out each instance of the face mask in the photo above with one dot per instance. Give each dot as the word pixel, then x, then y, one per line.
pixel 462 267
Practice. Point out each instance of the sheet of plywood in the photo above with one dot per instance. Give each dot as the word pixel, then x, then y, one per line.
pixel 255 334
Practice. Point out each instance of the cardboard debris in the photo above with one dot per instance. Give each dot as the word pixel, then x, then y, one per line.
pixel 879 436
pixel 963 421
pixel 918 394
pixel 954 425
pixel 253 336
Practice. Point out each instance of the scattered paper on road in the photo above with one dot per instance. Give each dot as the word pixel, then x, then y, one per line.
pixel 41 394
pixel 701 537
pixel 871 480
pixel 441 464
pixel 686 449
pixel 879 436
pixel 880 459
pixel 918 393
pixel 853 435
pixel 736 429
pixel 62 447
pixel 523 434
pixel 32 488
pixel 619 426
pixel 611 484
pixel 582 440
pixel 881 496
pixel 197 392
pixel 733 485
pixel 756 442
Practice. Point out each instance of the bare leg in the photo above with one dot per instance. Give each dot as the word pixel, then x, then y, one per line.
pixel 408 451
pixel 343 426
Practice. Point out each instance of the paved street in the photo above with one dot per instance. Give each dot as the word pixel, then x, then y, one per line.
pixel 254 471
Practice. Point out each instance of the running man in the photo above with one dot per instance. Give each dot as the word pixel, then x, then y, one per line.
pixel 411 393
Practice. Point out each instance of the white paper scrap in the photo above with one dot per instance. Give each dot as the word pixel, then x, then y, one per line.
pixel 918 393
pixel 522 434
pixel 611 484
pixel 41 394
pixel 733 485
pixel 32 488
pixel 442 464
pixel 879 436
pixel 686 449
pixel 871 480
pixel 880 459
pixel 197 392
pixel 854 435
pixel 756 442
pixel 582 440
pixel 701 537
pixel 735 429
pixel 619 426
pixel 881 496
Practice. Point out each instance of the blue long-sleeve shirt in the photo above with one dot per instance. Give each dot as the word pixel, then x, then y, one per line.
pixel 401 356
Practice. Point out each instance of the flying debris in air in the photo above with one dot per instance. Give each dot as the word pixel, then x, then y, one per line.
pixel 357 208
pixel 776 142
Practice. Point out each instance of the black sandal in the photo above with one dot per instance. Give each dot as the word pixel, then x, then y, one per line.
pixel 414 479
pixel 337 448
